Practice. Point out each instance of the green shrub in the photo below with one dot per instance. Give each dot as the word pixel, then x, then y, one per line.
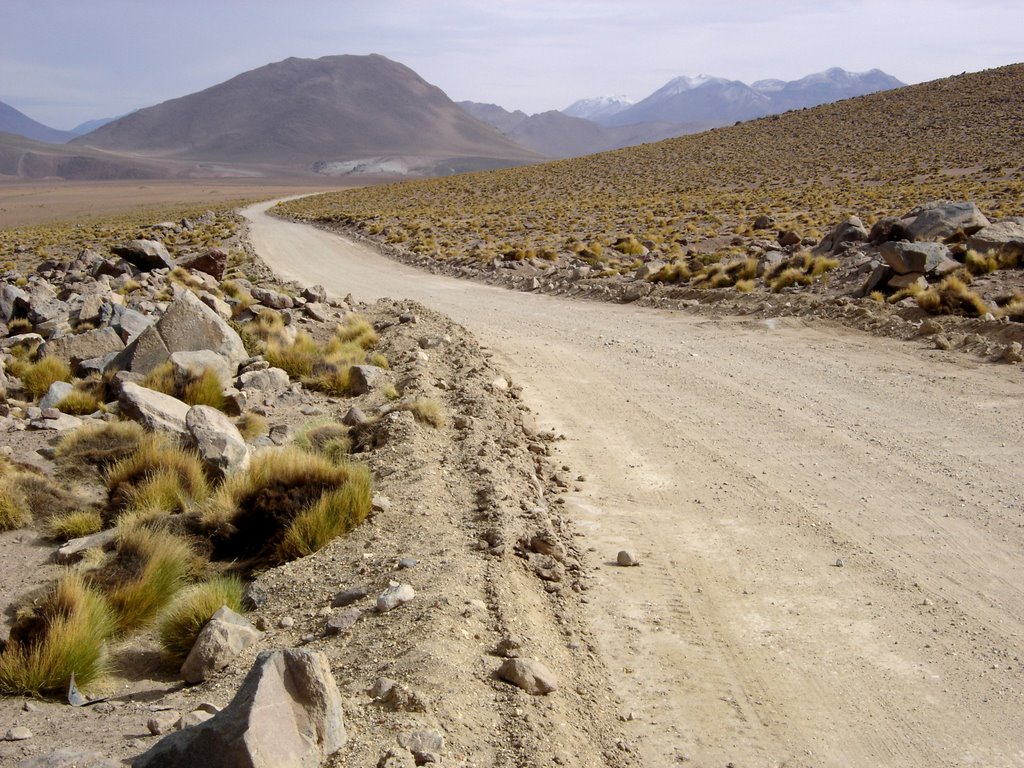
pixel 181 623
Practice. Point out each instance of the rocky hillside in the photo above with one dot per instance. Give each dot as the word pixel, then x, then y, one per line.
pixel 445 627
pixel 305 112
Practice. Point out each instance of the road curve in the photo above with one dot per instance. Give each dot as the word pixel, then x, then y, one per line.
pixel 830 525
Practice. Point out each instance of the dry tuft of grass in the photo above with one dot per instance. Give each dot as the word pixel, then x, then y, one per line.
pixel 334 514
pixel 63 634
pixel 37 376
pixel 147 571
pixel 329 439
pixel 100 444
pixel 180 624
pixel 357 329
pixel 157 478
pixel 428 411
pixel 14 510
pixel 73 525
pixel 251 513
pixel 80 403
pixel 251 425
pixel 952 297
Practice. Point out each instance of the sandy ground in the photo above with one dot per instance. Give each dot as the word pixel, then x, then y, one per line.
pixel 830 523
pixel 28 203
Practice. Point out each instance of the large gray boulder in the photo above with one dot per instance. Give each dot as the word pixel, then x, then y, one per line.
pixel 213 262
pixel 187 325
pixel 8 295
pixel 225 635
pixel 73 348
pixel 905 258
pixel 850 230
pixel 286 714
pixel 156 411
pixel 145 254
pixel 219 443
pixel 57 392
pixel 939 219
pixel 269 381
pixel 1004 239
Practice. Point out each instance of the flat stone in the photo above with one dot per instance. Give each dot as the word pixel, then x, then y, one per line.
pixel 349 596
pixel 340 622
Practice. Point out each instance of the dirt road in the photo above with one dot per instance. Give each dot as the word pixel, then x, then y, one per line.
pixel 831 525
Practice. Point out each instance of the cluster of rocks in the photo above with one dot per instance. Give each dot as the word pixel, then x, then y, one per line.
pixel 923 246
pixel 121 318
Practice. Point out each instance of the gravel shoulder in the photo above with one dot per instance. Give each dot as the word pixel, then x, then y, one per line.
pixel 742 459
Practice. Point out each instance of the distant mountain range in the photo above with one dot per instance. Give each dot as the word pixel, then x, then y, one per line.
pixel 367 114
pixel 683 105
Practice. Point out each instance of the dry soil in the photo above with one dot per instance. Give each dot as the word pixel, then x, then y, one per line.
pixel 829 523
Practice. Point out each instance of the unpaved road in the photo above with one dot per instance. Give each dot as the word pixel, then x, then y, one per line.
pixel 741 460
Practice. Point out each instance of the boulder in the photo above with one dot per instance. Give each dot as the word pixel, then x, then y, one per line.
pixel 218 305
pixel 788 237
pixel 887 228
pixel 145 254
pixel 214 262
pixel 76 347
pixel 75 549
pixel 528 674
pixel 57 392
pixel 225 635
pixel 394 596
pixel 850 230
pixel 271 381
pixel 194 362
pixel 315 293
pixel 879 277
pixel 188 325
pixel 219 443
pixel 905 258
pixel 272 299
pixel 898 282
pixel 939 219
pixel 8 295
pixel 156 411
pixel 286 714
pixel 1004 239
pixel 365 378
pixel 129 324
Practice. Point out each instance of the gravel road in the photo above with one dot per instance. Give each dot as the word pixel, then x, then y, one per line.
pixel 830 524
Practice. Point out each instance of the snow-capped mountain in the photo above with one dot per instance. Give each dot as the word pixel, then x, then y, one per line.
pixel 598 108
pixel 706 98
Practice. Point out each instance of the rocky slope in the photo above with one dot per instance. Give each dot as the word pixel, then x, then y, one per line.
pixel 467 513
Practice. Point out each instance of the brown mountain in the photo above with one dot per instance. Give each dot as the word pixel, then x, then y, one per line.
pixel 314 113
pixel 24 158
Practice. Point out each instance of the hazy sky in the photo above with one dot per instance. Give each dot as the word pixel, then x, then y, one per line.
pixel 66 61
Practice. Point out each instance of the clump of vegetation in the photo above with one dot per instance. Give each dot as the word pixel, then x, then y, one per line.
pixel 202 387
pixel 14 509
pixel 428 411
pixel 334 514
pixel 251 425
pixel 81 402
pixel 329 439
pixel 252 514
pixel 63 634
pixel 952 297
pixel 146 572
pixel 100 444
pixel 37 375
pixel 180 624
pixel 158 478
pixel 73 525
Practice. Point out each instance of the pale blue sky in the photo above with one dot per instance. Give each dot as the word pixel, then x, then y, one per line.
pixel 66 61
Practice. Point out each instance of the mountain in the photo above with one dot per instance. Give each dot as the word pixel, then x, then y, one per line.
pixel 24 158
pixel 721 101
pixel 315 114
pixel 20 124
pixel 555 134
pixel 598 108
pixel 91 125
